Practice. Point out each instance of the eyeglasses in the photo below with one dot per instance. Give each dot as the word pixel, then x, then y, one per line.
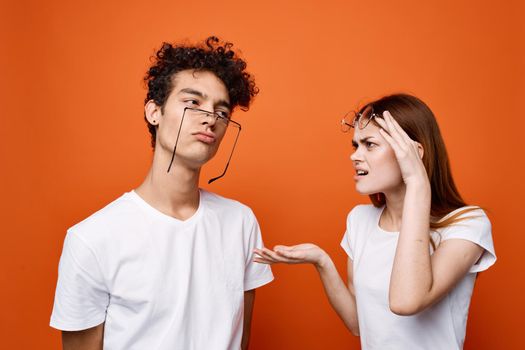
pixel 222 122
pixel 221 118
pixel 360 118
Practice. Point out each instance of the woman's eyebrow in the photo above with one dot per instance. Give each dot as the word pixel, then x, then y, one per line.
pixel 363 140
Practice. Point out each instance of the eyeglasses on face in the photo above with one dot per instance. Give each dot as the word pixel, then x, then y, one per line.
pixel 222 118
pixel 223 121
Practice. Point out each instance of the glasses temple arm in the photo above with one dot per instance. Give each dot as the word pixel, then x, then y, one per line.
pixel 231 154
pixel 177 140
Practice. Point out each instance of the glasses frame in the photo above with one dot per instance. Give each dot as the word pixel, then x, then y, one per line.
pixel 217 117
pixel 345 126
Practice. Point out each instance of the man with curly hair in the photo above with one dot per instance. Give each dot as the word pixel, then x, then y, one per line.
pixel 169 265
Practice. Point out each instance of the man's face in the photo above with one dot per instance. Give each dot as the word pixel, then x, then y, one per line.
pixel 200 134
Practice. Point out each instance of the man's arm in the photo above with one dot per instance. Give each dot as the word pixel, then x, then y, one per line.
pixel 87 339
pixel 249 300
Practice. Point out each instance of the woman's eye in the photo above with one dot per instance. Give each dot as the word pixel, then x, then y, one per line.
pixel 369 145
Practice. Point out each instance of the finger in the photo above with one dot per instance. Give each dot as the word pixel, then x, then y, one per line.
pixel 269 257
pixel 398 127
pixel 407 145
pixel 281 247
pixel 384 126
pixel 262 261
pixel 262 254
pixel 258 252
pixel 388 128
pixel 290 254
pixel 395 132
pixel 393 143
pixel 273 256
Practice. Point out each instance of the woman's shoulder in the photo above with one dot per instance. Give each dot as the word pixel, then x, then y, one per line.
pixel 472 224
pixel 470 215
pixel 363 214
pixel 365 210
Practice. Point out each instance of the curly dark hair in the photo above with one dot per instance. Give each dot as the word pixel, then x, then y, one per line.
pixel 214 56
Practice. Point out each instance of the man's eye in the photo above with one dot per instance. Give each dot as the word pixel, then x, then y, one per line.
pixel 369 145
pixel 223 114
pixel 192 102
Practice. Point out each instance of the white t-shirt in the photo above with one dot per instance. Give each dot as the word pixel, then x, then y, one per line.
pixel 372 250
pixel 158 282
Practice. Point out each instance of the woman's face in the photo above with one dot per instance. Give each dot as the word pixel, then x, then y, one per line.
pixel 377 170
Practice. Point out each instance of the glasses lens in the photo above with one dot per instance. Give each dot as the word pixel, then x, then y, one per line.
pixel 364 118
pixel 344 126
pixel 221 120
pixel 363 122
pixel 347 122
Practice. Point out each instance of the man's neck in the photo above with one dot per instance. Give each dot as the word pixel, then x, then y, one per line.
pixel 175 193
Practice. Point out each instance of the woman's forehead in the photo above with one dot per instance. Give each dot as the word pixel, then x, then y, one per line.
pixel 371 130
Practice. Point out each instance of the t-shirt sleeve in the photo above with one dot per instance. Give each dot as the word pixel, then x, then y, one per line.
pixel 348 242
pixel 256 274
pixel 475 228
pixel 81 297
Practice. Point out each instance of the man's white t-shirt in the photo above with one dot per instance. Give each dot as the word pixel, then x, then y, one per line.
pixel 372 250
pixel 158 282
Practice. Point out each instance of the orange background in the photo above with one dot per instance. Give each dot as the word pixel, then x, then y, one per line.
pixel 73 138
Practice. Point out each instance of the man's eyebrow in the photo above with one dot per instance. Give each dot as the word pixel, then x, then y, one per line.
pixel 221 103
pixel 192 92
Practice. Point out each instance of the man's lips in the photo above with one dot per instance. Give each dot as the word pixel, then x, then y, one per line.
pixel 206 137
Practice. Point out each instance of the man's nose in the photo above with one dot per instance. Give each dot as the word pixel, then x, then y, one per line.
pixel 209 118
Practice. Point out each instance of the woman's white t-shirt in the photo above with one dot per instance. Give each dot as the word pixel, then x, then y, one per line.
pixel 372 250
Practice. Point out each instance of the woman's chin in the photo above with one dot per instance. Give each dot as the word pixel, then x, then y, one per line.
pixel 364 191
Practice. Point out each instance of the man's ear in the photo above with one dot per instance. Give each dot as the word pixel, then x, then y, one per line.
pixel 152 112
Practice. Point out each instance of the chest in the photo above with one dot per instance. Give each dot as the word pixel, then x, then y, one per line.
pixel 166 263
pixel 373 264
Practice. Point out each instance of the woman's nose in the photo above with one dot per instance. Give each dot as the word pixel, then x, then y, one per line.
pixel 355 155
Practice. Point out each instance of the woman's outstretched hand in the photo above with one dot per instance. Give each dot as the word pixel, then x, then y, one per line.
pixel 305 253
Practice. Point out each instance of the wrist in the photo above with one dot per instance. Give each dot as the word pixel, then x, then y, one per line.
pixel 323 262
pixel 418 184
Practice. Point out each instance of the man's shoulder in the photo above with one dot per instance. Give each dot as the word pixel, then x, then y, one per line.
pixel 120 211
pixel 226 205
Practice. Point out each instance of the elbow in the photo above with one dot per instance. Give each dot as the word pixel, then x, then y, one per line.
pixel 353 328
pixel 404 307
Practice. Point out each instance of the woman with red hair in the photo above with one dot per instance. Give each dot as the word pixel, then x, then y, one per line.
pixel 414 253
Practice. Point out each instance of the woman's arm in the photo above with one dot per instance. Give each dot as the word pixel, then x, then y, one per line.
pixel 340 296
pixel 418 279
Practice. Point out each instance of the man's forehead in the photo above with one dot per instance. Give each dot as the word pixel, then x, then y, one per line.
pixel 202 83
